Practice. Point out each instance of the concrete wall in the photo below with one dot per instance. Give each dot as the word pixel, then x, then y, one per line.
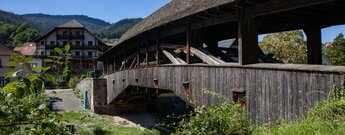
pixel 97 95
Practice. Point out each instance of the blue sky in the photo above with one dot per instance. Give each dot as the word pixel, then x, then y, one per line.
pixel 108 10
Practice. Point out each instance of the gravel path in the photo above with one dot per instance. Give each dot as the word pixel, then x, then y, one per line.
pixel 64 100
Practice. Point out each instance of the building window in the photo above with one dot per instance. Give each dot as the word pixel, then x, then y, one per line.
pixel 33 65
pixel 89 53
pixel 0 63
pixel 89 66
pixel 42 42
pixel 77 53
pixel 42 53
pixel 77 43
pixel 64 42
pixel 89 43
pixel 77 33
pixel 52 42
pixel 65 33
pixel 52 53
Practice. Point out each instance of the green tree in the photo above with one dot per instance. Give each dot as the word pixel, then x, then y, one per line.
pixel 24 33
pixel 336 52
pixel 288 47
pixel 6 31
pixel 23 104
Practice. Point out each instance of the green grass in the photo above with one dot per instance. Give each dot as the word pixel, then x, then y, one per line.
pixel 88 123
pixel 328 118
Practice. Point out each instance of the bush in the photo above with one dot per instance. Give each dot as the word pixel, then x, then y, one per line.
pixel 328 117
pixel 227 118
pixel 73 82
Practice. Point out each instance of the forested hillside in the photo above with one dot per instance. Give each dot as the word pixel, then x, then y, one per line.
pixel 16 29
pixel 44 22
pixel 10 18
pixel 116 30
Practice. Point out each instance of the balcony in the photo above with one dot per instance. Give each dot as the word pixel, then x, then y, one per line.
pixel 53 46
pixel 80 46
pixel 70 37
pixel 83 57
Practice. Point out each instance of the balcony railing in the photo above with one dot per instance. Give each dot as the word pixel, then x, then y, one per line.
pixel 73 46
pixel 70 37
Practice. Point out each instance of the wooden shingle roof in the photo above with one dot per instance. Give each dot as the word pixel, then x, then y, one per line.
pixel 173 11
pixel 5 51
pixel 71 24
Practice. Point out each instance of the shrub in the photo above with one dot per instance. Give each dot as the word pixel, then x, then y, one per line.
pixel 328 117
pixel 73 82
pixel 226 118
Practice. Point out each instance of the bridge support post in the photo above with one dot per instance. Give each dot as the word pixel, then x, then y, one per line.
pixel 147 53
pixel 247 39
pixel 188 38
pixel 314 50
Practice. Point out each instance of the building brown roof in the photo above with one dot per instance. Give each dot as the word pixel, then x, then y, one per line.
pixel 5 51
pixel 173 11
pixel 27 49
pixel 71 24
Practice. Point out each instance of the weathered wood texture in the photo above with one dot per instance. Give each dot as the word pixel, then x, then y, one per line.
pixel 273 90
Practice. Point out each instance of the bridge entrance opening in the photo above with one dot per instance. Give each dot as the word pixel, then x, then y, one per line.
pixel 158 102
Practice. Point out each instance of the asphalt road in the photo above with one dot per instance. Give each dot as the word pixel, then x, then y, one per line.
pixel 64 100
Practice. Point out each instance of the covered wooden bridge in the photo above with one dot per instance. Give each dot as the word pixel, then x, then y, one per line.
pixel 189 46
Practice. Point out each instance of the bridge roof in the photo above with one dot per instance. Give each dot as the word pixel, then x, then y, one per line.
pixel 173 11
pixel 281 15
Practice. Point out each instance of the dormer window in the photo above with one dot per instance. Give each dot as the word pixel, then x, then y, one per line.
pixel 42 42
pixel 52 42
pixel 89 43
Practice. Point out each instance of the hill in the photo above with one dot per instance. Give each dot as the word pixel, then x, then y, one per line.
pixel 44 22
pixel 10 18
pixel 15 30
pixel 116 30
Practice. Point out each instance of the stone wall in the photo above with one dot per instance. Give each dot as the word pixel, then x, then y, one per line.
pixel 97 89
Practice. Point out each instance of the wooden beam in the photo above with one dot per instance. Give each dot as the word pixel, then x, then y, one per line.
pixel 133 62
pixel 172 57
pixel 202 54
pixel 216 20
pixel 275 6
pixel 204 57
pixel 247 39
pixel 157 51
pixel 314 50
pixel 138 54
pixel 147 53
pixel 210 55
pixel 188 42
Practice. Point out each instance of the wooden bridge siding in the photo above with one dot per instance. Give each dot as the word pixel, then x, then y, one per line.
pixel 271 93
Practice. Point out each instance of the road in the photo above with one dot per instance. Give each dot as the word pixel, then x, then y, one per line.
pixel 64 100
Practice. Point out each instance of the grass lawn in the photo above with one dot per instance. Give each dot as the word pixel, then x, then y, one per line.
pixel 88 123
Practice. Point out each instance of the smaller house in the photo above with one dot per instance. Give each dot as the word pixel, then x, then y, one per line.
pixel 29 50
pixel 5 57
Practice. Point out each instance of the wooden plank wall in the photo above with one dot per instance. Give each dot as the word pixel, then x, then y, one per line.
pixel 272 93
